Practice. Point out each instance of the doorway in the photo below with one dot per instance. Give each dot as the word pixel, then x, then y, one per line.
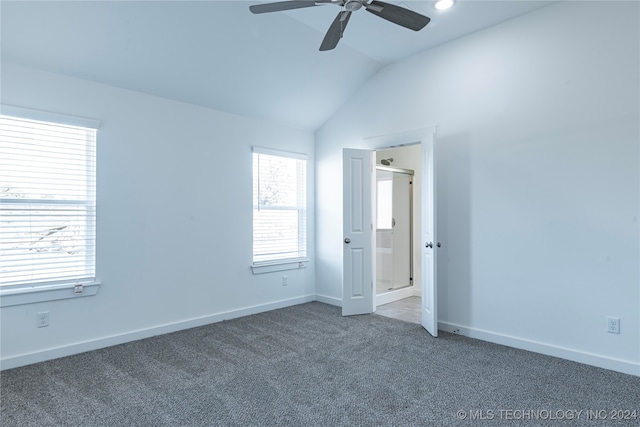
pixel 358 191
pixel 397 258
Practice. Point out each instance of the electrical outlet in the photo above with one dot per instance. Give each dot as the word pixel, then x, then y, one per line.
pixel 42 319
pixel 285 280
pixel 613 325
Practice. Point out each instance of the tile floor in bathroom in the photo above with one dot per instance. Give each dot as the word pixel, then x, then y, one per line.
pixel 407 309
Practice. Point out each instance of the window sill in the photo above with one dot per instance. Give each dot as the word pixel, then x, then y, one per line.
pixel 33 294
pixel 268 267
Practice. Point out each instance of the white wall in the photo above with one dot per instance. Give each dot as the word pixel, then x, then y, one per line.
pixel 174 227
pixel 538 177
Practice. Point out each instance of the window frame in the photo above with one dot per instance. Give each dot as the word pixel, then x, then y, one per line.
pixel 34 292
pixel 289 263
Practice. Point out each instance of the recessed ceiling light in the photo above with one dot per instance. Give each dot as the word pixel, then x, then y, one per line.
pixel 444 4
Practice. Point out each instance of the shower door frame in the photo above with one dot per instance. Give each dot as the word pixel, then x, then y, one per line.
pixel 411 174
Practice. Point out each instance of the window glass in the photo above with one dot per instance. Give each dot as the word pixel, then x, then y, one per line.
pixel 279 207
pixel 47 202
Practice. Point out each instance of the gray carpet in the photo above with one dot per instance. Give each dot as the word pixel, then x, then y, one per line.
pixel 308 366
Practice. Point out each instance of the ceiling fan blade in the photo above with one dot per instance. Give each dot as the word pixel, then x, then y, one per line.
pixel 281 5
pixel 398 15
pixel 335 31
pixel 375 8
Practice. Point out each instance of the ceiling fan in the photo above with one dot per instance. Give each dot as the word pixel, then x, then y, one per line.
pixel 396 14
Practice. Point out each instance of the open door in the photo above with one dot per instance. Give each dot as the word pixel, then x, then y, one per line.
pixel 358 238
pixel 358 267
pixel 429 242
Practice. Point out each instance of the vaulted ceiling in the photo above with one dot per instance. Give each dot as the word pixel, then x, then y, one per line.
pixel 217 54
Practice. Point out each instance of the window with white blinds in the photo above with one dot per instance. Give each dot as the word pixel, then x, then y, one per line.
pixel 47 202
pixel 279 206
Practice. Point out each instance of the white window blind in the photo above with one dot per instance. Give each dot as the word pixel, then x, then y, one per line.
pixel 47 201
pixel 279 206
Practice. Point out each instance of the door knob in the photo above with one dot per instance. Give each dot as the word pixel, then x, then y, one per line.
pixel 347 240
pixel 429 245
pixel 438 245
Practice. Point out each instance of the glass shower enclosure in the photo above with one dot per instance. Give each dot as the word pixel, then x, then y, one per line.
pixel 394 233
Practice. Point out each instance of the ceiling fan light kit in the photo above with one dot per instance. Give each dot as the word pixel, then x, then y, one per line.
pixel 444 4
pixel 398 15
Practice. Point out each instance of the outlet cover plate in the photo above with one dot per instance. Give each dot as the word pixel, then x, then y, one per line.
pixel 42 319
pixel 613 325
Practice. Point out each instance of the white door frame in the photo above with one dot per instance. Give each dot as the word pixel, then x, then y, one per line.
pixel 424 136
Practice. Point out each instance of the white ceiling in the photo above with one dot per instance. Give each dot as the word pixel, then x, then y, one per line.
pixel 219 55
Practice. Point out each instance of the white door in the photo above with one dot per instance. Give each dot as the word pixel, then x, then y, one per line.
pixel 429 242
pixel 357 272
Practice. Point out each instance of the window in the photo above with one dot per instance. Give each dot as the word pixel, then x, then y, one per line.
pixel 47 200
pixel 384 197
pixel 279 207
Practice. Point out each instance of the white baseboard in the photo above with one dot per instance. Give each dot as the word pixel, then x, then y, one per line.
pixel 624 366
pixel 69 350
pixel 394 295
pixel 380 299
pixel 388 297
pixel 329 300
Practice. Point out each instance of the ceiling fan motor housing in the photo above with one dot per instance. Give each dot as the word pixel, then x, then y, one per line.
pixel 352 5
